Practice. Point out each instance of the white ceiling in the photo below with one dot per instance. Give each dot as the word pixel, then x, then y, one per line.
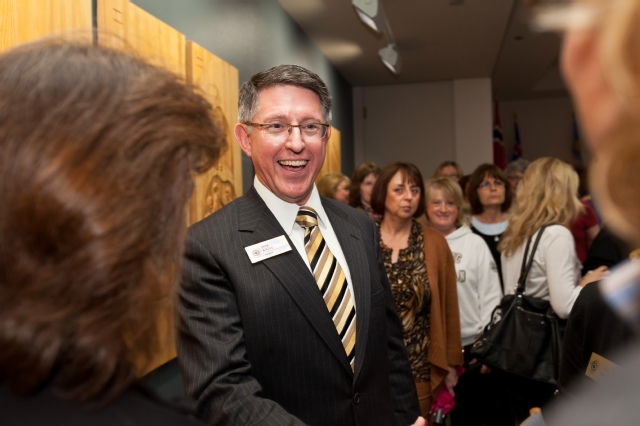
pixel 438 41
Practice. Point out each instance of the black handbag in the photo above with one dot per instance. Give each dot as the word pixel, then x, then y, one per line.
pixel 524 336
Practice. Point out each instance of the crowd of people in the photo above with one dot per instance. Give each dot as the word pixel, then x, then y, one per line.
pixel 351 302
pixel 486 226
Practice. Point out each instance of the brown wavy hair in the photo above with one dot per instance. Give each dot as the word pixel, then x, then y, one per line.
pixel 358 175
pixel 97 151
pixel 409 172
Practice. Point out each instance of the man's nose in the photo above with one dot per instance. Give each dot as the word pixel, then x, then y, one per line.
pixel 294 140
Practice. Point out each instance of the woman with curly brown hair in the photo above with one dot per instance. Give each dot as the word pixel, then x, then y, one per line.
pixel 97 151
pixel 421 271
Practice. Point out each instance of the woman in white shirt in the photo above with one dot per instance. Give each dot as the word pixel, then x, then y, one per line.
pixel 546 196
pixel 479 399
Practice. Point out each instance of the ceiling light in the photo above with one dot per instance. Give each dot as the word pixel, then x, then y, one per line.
pixel 371 13
pixel 390 58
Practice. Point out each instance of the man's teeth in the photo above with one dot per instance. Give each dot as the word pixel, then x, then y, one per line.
pixel 297 163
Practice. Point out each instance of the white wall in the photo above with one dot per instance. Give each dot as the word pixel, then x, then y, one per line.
pixel 545 127
pixel 425 124
pixel 473 123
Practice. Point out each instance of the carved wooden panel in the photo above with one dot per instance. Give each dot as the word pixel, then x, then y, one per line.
pixel 218 82
pixel 332 158
pixel 122 24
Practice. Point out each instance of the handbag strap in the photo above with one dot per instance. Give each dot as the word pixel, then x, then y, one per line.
pixel 526 265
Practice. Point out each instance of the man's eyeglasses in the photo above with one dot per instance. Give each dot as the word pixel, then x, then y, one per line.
pixel 308 131
pixel 495 183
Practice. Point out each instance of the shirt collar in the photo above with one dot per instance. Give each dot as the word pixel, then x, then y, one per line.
pixel 285 212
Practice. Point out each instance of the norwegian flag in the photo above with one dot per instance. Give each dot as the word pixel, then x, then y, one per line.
pixel 499 154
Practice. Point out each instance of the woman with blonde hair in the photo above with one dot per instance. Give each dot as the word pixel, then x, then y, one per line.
pixel 334 185
pixel 479 398
pixel 547 196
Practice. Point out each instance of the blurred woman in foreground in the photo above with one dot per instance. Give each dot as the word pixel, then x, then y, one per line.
pixel 601 61
pixel 423 281
pixel 96 155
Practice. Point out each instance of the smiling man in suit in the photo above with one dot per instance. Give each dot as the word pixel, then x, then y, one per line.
pixel 286 313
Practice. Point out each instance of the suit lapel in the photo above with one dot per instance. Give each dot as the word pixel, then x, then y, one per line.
pixel 353 249
pixel 256 223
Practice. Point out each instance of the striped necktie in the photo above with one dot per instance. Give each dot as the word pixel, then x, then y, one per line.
pixel 330 279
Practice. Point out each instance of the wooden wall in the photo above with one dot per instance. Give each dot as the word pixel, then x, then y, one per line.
pixel 123 25
pixel 332 158
pixel 26 20
pixel 218 81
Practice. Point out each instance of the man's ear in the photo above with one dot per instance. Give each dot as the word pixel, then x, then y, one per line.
pixel 328 135
pixel 241 132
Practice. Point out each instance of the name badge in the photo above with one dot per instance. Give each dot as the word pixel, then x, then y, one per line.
pixel 266 249
pixel 599 367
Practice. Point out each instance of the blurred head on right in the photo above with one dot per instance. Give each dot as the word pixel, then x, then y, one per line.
pixel 601 64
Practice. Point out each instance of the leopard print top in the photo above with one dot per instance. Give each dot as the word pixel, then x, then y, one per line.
pixel 410 288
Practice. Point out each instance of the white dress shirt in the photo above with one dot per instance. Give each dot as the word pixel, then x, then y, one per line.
pixel 286 213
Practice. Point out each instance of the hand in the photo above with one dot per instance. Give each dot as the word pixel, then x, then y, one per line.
pixel 595 275
pixel 420 422
pixel 451 380
pixel 484 369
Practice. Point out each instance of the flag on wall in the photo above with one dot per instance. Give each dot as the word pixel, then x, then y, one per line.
pixel 575 147
pixel 517 146
pixel 499 155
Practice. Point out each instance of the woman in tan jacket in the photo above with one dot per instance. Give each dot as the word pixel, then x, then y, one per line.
pixel 421 271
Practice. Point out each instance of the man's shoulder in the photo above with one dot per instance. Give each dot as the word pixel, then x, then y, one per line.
pixel 227 218
pixel 347 212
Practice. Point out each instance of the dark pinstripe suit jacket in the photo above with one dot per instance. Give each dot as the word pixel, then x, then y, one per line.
pixel 256 344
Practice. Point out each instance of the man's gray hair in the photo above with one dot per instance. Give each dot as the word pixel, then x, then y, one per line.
pixel 281 75
pixel 519 165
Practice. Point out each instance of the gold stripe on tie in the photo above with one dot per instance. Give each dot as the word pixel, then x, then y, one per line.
pixel 331 281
